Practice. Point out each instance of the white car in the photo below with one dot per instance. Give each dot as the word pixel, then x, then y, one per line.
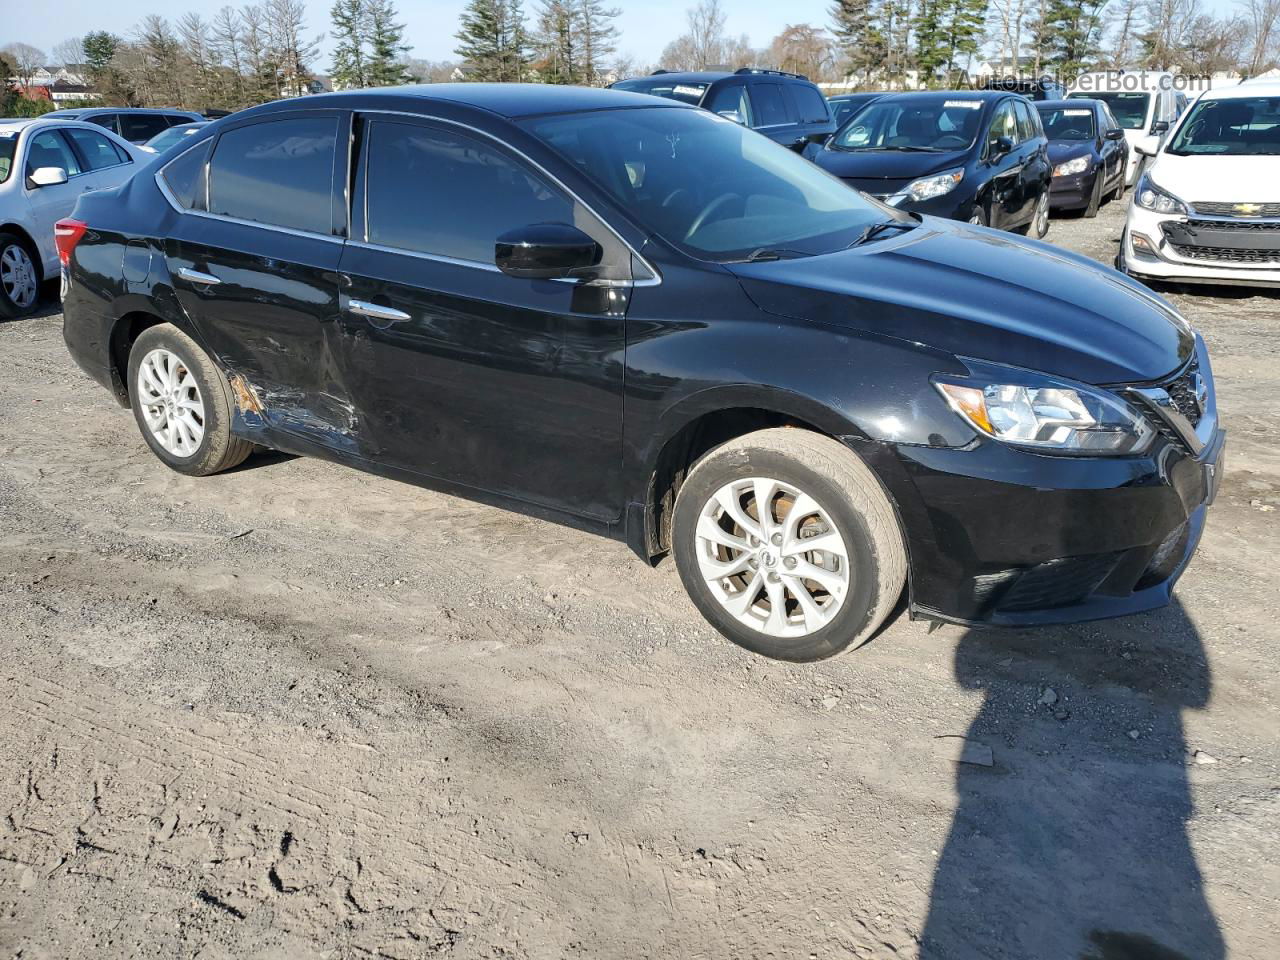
pixel 1208 206
pixel 45 164
pixel 1144 102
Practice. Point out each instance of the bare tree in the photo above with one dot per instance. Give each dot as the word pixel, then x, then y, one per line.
pixel 1172 25
pixel 705 43
pixel 226 41
pixel 196 59
pixel 293 51
pixel 69 54
pixel 803 48
pixel 1262 26
pixel 26 59
pixel 1128 22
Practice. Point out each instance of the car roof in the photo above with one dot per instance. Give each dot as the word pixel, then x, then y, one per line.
pixel 707 75
pixel 79 111
pixel 986 96
pixel 14 124
pixel 1074 104
pixel 1249 89
pixel 510 100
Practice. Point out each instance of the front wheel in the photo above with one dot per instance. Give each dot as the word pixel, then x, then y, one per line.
pixel 182 403
pixel 1040 219
pixel 787 544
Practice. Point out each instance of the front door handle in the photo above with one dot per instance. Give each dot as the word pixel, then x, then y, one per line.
pixel 376 311
pixel 195 276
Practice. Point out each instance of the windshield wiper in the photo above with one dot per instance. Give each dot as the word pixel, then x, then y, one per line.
pixel 873 231
pixel 912 149
pixel 769 253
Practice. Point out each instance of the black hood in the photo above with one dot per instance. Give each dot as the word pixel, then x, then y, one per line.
pixel 1060 151
pixel 981 293
pixel 899 165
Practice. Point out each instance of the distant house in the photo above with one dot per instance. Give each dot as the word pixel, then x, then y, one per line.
pixel 59 84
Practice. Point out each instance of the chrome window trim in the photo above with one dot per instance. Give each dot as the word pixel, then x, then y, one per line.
pixel 418 254
pixel 653 280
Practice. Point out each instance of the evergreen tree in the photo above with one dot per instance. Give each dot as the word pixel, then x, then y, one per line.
pixel 963 23
pixel 859 34
pixel 386 45
pixel 350 27
pixel 493 41
pixel 556 42
pixel 1072 31
pixel 598 36
pixel 931 52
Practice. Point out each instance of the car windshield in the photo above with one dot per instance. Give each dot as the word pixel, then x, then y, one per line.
pixel 660 87
pixel 164 140
pixel 1068 123
pixel 709 186
pixel 842 110
pixel 1129 109
pixel 8 147
pixel 934 126
pixel 1236 127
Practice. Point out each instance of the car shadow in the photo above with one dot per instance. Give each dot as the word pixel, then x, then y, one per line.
pixel 1073 842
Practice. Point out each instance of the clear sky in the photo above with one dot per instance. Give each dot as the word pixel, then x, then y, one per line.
pixel 646 25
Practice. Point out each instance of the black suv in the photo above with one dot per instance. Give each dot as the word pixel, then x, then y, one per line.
pixel 785 107
pixel 626 314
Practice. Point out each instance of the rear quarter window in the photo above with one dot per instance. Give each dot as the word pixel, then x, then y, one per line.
pixel 809 103
pixel 769 107
pixel 185 177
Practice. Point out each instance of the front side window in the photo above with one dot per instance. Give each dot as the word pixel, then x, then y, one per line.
pixel 811 104
pixel 732 98
pixel 1068 123
pixel 708 186
pixel 768 106
pixel 1028 129
pixel 49 149
pixel 1236 127
pixel 685 92
pixel 1003 124
pixel 141 127
pixel 279 172
pixel 438 192
pixel 1129 108
pixel 936 125
pixel 98 152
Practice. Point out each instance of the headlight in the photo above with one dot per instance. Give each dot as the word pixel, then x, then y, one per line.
pixel 926 188
pixel 1078 165
pixel 1031 410
pixel 1151 197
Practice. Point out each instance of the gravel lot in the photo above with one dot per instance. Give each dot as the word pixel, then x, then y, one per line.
pixel 297 711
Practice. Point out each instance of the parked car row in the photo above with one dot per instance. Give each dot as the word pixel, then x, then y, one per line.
pixel 631 315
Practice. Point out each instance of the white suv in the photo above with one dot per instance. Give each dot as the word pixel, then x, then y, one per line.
pixel 1207 208
pixel 45 164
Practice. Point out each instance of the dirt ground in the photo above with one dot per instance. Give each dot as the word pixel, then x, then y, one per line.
pixel 296 711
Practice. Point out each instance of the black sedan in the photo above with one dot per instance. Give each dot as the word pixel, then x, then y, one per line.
pixel 1088 152
pixel 629 315
pixel 980 157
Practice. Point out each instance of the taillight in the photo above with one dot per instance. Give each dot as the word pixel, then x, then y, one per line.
pixel 66 234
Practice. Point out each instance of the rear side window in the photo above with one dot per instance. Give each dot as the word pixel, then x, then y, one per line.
pixel 810 104
pixel 185 177
pixel 98 152
pixel 438 192
pixel 107 120
pixel 769 108
pixel 279 172
pixel 141 127
pixel 732 97
pixel 49 149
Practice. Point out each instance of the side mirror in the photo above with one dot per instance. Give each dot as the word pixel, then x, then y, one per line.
pixel 546 251
pixel 733 115
pixel 1160 126
pixel 1147 146
pixel 1000 146
pixel 1115 133
pixel 47 177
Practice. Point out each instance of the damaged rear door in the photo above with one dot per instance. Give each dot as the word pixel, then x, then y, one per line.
pixel 254 265
pixel 459 371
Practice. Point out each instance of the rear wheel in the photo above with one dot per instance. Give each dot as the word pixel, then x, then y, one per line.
pixel 182 403
pixel 19 278
pixel 787 545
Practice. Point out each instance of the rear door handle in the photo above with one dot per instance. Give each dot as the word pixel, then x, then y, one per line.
pixel 375 311
pixel 195 276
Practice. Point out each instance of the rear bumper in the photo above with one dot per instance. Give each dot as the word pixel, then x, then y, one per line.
pixel 1003 537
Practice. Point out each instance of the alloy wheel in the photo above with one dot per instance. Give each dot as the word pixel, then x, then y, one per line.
pixel 18 276
pixel 772 556
pixel 1042 215
pixel 171 403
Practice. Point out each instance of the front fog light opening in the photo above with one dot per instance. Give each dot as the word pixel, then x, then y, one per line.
pixel 1143 246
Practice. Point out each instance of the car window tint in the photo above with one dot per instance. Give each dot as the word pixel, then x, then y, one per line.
pixel 767 104
pixel 49 149
pixel 1003 124
pixel 174 119
pixel 98 152
pixel 185 177
pixel 1026 121
pixel 107 120
pixel 810 104
pixel 278 172
pixel 140 127
pixel 732 97
pixel 438 192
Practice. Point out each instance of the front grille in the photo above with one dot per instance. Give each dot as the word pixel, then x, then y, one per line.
pixel 1059 583
pixel 1182 392
pixel 1214 209
pixel 1251 226
pixel 1226 254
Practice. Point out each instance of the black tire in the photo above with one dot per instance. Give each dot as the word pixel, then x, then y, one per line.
pixel 846 490
pixel 10 309
pixel 219 449
pixel 979 216
pixel 1095 198
pixel 1118 192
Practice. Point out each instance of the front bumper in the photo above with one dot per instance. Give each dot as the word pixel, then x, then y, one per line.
pixel 1006 537
pixel 1238 251
pixel 1071 192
